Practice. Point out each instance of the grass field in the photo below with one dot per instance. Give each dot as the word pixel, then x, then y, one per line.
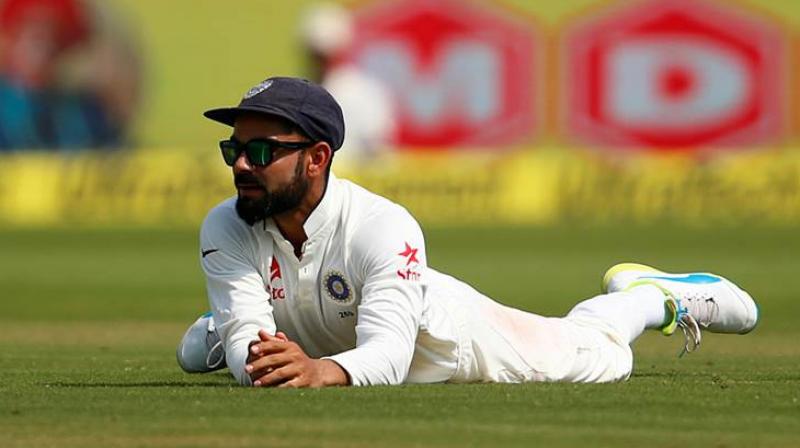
pixel 89 320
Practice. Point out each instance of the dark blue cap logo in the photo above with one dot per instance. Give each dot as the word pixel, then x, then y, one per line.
pixel 257 89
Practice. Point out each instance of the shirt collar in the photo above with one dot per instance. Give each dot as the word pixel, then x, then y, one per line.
pixel 326 210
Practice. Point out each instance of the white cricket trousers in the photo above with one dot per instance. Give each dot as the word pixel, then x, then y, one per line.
pixel 589 345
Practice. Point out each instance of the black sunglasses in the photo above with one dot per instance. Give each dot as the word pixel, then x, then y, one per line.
pixel 259 151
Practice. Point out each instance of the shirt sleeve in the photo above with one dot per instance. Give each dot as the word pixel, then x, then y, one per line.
pixel 236 293
pixel 389 251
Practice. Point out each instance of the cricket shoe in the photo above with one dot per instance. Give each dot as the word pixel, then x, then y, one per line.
pixel 696 300
pixel 201 350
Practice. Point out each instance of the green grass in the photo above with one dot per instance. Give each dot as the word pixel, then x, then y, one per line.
pixel 89 320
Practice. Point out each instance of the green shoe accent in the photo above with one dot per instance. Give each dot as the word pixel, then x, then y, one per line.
pixel 670 305
pixel 616 269
pixel 678 318
pixel 671 308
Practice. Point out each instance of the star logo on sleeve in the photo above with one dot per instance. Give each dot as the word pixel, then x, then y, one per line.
pixel 411 255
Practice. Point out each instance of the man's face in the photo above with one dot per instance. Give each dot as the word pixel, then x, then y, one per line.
pixel 266 191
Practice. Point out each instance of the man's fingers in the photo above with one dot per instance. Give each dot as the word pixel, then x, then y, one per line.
pixel 264 365
pixel 275 360
pixel 294 383
pixel 279 335
pixel 278 376
pixel 264 335
pixel 266 347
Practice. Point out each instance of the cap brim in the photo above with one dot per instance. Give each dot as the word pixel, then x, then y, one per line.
pixel 228 115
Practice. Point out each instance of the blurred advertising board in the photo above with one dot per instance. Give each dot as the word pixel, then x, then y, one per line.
pixel 683 75
pixel 676 74
pixel 472 73
pixel 543 187
pixel 504 108
pixel 462 73
pixel 475 74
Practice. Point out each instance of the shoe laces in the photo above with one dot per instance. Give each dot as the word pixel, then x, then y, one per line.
pixel 702 306
pixel 684 317
pixel 690 329
pixel 699 311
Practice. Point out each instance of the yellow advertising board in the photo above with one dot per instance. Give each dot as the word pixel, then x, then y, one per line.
pixel 525 187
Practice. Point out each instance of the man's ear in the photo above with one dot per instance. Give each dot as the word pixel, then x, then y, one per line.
pixel 320 155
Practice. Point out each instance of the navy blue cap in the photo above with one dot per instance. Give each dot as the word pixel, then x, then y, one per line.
pixel 300 101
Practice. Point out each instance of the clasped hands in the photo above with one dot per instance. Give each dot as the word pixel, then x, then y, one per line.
pixel 275 361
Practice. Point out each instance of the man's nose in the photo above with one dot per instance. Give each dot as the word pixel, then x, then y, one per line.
pixel 242 163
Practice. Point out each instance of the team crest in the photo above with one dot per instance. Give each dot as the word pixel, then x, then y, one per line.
pixel 258 89
pixel 337 288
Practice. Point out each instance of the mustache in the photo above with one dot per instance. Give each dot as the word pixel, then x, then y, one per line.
pixel 246 179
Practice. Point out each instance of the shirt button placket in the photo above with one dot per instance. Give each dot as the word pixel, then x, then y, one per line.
pixel 306 282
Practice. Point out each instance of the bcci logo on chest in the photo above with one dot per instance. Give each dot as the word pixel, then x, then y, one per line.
pixel 337 288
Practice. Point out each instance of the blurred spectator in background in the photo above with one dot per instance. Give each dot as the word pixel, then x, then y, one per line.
pixel 326 32
pixel 54 90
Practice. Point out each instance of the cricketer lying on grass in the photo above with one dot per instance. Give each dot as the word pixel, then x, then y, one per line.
pixel 314 281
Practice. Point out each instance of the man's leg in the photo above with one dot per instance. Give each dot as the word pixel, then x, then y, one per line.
pixel 592 343
pixel 643 298
pixel 628 313
pixel 602 329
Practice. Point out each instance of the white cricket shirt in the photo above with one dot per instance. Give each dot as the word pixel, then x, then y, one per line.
pixel 361 294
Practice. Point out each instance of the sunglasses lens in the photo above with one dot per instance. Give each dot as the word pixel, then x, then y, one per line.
pixel 230 151
pixel 259 152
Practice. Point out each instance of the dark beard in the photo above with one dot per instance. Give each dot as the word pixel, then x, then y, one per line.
pixel 271 204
